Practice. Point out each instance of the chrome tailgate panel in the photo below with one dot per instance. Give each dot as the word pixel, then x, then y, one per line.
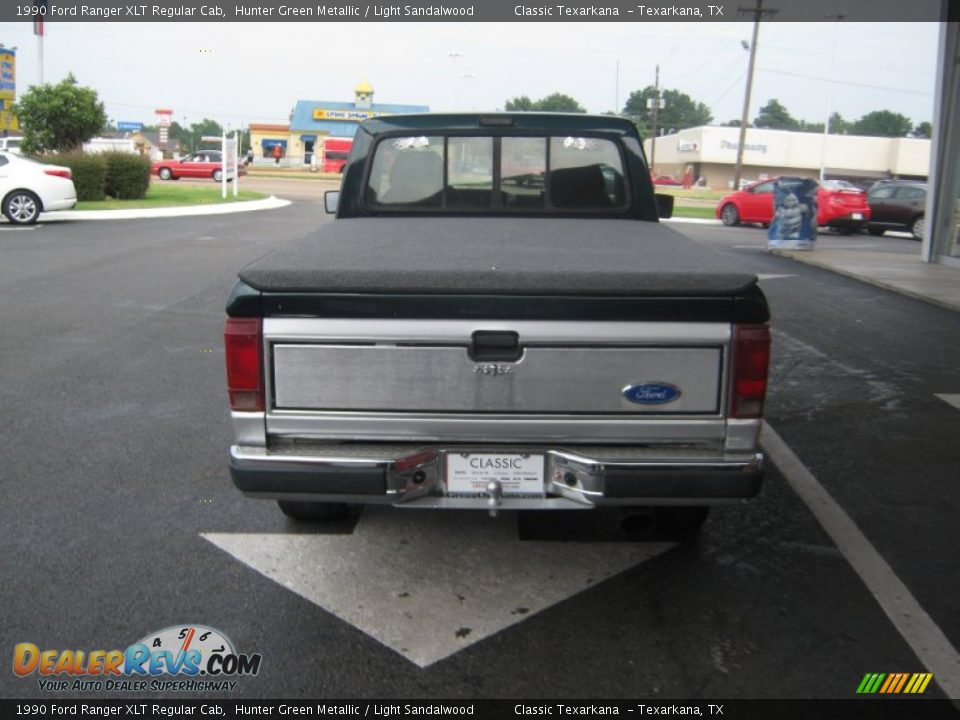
pixel 445 379
pixel 415 379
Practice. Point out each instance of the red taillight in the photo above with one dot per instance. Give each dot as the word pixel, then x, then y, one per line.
pixel 59 172
pixel 242 340
pixel 751 360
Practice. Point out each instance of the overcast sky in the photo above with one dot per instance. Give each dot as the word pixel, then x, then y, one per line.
pixel 238 73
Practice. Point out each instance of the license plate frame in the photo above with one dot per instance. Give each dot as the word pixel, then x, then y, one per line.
pixel 521 475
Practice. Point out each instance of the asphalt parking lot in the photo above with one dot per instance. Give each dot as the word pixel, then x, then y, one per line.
pixel 119 518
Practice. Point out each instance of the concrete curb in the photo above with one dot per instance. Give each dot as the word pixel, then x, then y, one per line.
pixel 694 221
pixel 270 203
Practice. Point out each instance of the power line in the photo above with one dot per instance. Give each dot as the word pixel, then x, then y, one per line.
pixel 727 91
pixel 845 82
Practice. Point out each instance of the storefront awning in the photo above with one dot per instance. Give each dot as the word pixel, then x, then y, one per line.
pixel 308 138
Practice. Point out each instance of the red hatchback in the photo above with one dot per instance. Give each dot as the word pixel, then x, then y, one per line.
pixel 203 164
pixel 842 209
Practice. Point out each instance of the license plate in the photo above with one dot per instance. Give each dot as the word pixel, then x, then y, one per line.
pixel 857 216
pixel 518 475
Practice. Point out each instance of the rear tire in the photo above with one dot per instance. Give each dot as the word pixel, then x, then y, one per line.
pixel 21 207
pixel 916 228
pixel 845 230
pixel 729 215
pixel 314 511
pixel 875 231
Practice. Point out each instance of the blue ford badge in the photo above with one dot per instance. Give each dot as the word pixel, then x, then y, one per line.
pixel 653 393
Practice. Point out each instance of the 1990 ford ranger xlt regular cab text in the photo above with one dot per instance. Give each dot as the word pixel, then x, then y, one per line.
pixel 496 319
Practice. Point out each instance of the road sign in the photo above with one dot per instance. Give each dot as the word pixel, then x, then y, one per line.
pixel 230 169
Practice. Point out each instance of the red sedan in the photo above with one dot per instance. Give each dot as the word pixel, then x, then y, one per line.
pixel 844 210
pixel 666 180
pixel 203 164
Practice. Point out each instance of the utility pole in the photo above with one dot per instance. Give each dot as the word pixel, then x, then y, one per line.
pixel 758 14
pixel 654 103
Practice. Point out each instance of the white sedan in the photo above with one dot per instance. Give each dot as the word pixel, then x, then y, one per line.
pixel 28 188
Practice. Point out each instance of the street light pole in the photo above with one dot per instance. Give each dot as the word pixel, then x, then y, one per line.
pixel 616 91
pixel 758 13
pixel 454 55
pixel 656 108
pixel 836 17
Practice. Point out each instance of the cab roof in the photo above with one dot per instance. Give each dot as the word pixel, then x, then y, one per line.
pixel 565 123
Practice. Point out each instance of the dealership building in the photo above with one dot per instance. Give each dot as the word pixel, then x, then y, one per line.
pixel 313 121
pixel 711 154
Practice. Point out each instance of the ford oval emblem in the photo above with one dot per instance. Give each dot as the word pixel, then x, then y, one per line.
pixel 652 393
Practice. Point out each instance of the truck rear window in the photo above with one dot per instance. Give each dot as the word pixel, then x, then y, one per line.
pixel 497 174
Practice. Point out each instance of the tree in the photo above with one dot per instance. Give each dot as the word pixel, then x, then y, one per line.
pixel 882 123
pixel 206 127
pixel 556 102
pixel 838 126
pixel 521 103
pixel 774 116
pixel 923 130
pixel 678 110
pixel 59 117
pixel 810 127
pixel 732 123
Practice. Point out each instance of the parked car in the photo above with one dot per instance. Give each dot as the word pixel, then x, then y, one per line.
pixel 840 185
pixel 667 180
pixel 28 188
pixel 335 154
pixel 897 205
pixel 839 208
pixel 11 144
pixel 202 164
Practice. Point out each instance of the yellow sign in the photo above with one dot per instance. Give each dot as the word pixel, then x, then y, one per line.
pixel 356 115
pixel 8 88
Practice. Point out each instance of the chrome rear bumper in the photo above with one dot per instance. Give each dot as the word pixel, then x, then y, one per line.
pixel 574 478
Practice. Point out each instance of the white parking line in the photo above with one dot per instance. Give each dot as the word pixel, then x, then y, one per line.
pixel 919 630
pixel 950 399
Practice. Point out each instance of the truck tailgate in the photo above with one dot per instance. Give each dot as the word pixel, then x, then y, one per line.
pixel 545 379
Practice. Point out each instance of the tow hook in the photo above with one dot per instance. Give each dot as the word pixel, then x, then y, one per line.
pixel 494 496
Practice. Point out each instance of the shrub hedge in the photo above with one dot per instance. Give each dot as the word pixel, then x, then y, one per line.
pixel 89 173
pixel 127 175
pixel 96 176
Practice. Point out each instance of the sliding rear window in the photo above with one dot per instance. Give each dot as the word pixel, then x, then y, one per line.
pixel 465 173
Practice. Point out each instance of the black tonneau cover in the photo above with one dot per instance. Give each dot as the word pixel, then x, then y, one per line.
pixel 497 255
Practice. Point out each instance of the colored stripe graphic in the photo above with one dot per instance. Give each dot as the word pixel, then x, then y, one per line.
pixel 891 679
pixel 894 683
